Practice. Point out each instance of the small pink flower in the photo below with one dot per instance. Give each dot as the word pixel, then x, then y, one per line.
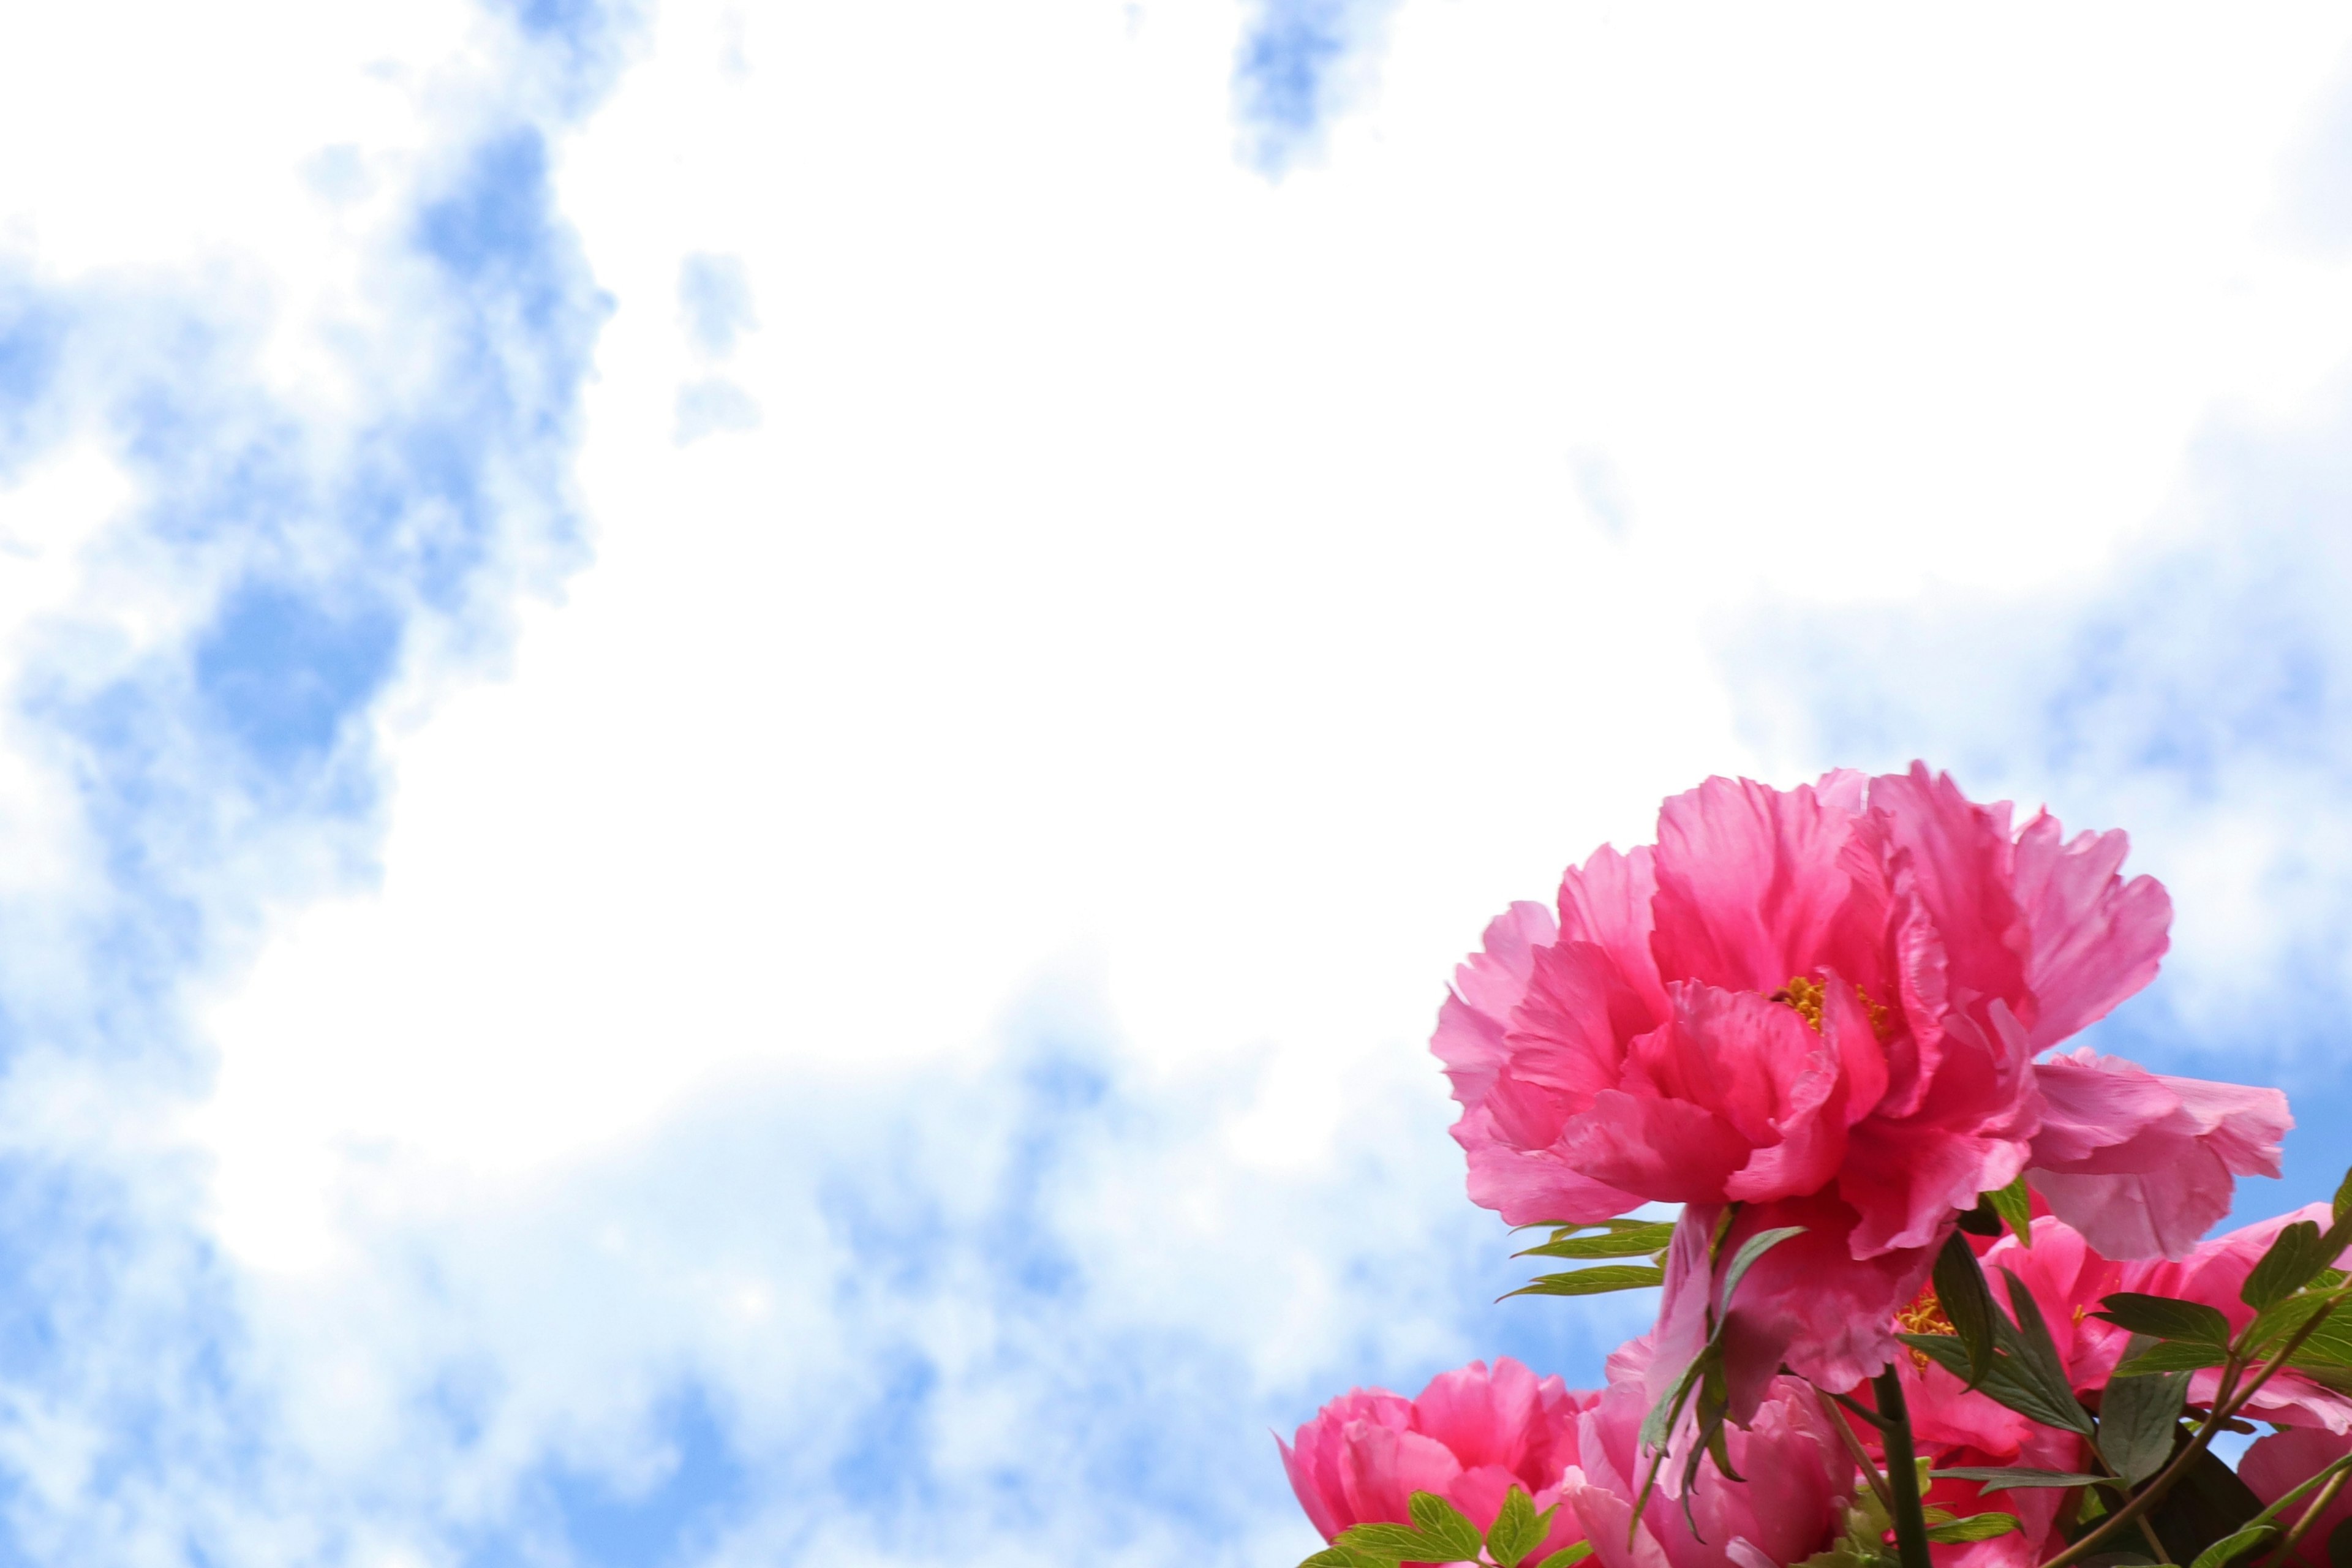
pixel 1471 1436
pixel 1824 1005
pixel 1792 1504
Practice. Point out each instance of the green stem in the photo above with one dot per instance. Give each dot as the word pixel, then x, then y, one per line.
pixel 1902 1470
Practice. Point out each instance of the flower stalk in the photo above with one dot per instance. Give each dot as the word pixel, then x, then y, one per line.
pixel 1902 1470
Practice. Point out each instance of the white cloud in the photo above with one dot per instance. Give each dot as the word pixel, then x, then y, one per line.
pixel 1193 600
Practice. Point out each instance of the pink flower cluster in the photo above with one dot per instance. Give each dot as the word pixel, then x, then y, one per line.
pixel 1842 1013
pixel 1473 1434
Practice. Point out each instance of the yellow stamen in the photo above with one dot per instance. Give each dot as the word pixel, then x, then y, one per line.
pixel 1924 1315
pixel 1807 998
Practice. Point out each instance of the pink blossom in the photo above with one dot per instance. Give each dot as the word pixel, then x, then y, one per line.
pixel 2276 1465
pixel 1823 1004
pixel 1471 1436
pixel 1792 1505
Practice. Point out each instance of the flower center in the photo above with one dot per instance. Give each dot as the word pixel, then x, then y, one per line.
pixel 1924 1315
pixel 1805 997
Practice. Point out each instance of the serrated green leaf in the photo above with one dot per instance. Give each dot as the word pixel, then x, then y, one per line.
pixel 2139 1417
pixel 1518 1529
pixel 2014 1478
pixel 1636 1243
pixel 2229 1546
pixel 1966 1300
pixel 2016 1210
pixel 1591 1281
pixel 2166 1318
pixel 2169 1357
pixel 1334 1557
pixel 1568 1556
pixel 1753 1248
pixel 2293 1258
pixel 1444 1526
pixel 1975 1527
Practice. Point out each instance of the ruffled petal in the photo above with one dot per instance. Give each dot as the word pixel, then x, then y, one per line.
pixel 1486 986
pixel 2144 1164
pixel 1753 887
pixel 2092 939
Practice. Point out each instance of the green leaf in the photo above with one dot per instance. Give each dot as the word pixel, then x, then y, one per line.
pixel 2014 1478
pixel 2164 1318
pixel 2280 1318
pixel 1753 1248
pixel 1660 1422
pixel 2229 1546
pixel 2169 1357
pixel 2339 1540
pixel 2139 1417
pixel 2004 1383
pixel 1387 1543
pixel 1444 1526
pixel 1518 1529
pixel 2344 1196
pixel 1975 1527
pixel 1636 1243
pixel 2016 1210
pixel 2036 1360
pixel 2329 1343
pixel 1568 1556
pixel 1966 1300
pixel 1981 1221
pixel 2293 1258
pixel 1334 1557
pixel 1591 1281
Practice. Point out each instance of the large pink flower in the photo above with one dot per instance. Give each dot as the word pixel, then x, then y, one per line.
pixel 1792 1504
pixel 1471 1436
pixel 1823 1004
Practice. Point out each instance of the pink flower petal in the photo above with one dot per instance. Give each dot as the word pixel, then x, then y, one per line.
pixel 2144 1164
pixel 2093 938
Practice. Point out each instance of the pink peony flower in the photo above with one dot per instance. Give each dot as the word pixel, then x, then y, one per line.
pixel 2276 1465
pixel 1471 1436
pixel 1823 1004
pixel 1792 1504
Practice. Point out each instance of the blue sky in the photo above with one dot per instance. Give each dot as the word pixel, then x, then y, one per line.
pixel 744 743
